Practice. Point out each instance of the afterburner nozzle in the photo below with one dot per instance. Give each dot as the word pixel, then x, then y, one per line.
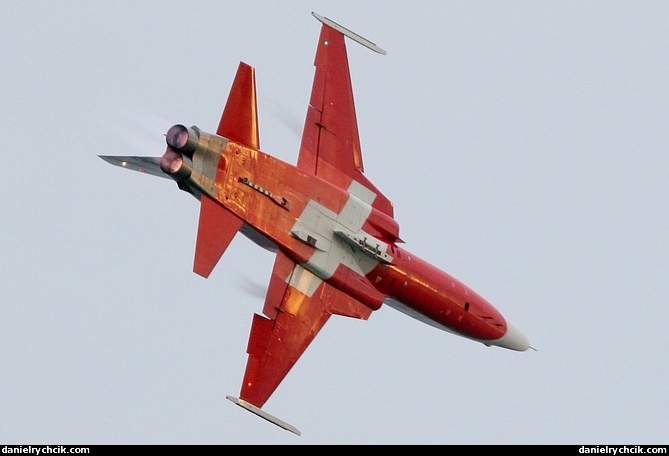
pixel 182 139
pixel 171 161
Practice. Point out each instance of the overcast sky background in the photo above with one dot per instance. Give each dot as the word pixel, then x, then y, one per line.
pixel 526 148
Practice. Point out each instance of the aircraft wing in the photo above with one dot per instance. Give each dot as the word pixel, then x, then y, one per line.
pixel 297 306
pixel 330 145
pixel 148 165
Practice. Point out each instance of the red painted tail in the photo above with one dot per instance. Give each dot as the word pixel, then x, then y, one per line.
pixel 239 123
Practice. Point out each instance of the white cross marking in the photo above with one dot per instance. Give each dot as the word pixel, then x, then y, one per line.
pixel 321 223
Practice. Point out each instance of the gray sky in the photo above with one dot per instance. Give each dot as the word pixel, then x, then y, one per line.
pixel 525 146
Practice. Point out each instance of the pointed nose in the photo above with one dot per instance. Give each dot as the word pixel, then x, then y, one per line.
pixel 513 339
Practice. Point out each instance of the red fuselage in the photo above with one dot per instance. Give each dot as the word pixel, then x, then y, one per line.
pixel 317 224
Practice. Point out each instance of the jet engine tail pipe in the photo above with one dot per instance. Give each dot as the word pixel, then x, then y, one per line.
pixel 174 164
pixel 182 139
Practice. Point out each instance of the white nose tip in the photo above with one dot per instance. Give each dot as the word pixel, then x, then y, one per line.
pixel 513 339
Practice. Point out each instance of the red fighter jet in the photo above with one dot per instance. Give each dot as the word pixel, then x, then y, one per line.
pixel 333 232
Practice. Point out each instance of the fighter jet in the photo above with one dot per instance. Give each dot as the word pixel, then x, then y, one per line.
pixel 337 244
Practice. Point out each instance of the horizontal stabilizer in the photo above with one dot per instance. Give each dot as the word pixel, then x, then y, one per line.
pixel 239 121
pixel 263 414
pixel 148 165
pixel 216 230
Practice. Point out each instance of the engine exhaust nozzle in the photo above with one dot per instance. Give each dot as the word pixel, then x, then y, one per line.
pixel 182 139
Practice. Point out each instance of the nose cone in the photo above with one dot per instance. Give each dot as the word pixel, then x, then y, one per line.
pixel 513 339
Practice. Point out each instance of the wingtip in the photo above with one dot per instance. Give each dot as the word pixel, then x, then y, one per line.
pixel 349 33
pixel 263 414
